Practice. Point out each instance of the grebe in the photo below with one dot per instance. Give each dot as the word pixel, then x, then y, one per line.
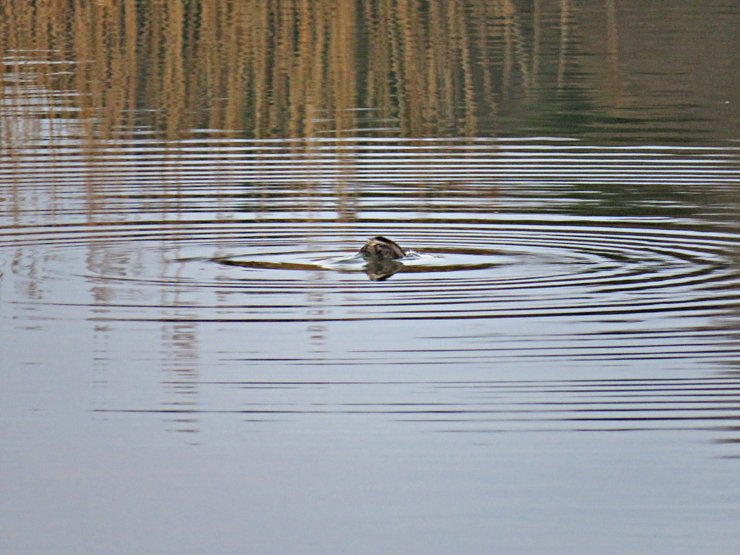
pixel 380 248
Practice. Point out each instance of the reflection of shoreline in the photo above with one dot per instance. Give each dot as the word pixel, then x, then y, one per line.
pixel 438 69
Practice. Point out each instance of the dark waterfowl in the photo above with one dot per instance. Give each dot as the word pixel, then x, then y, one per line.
pixel 380 248
pixel 382 258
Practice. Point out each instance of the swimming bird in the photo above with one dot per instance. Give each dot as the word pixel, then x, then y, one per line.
pixel 380 248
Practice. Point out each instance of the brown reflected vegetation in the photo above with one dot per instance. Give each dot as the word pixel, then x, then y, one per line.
pixel 272 68
pixel 299 68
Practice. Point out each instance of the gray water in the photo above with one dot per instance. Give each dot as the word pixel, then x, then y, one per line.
pixel 195 361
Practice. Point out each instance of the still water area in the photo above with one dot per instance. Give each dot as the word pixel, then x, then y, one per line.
pixel 195 359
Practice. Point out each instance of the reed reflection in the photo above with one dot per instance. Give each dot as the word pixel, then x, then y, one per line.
pixel 276 68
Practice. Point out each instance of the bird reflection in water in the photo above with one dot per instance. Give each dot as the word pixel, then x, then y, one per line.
pixel 382 256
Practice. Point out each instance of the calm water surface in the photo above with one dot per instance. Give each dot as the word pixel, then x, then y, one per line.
pixel 194 360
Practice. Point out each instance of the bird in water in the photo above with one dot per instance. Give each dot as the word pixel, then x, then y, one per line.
pixel 380 248
pixel 382 258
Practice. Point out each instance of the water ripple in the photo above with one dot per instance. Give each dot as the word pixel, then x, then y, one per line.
pixel 520 232
pixel 498 406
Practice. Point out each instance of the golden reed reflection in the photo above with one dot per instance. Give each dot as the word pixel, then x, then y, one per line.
pixel 273 68
pixel 299 68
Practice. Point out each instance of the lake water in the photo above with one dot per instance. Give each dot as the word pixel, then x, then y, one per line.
pixel 194 361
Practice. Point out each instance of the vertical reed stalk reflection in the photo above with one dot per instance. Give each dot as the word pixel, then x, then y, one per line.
pixel 271 68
